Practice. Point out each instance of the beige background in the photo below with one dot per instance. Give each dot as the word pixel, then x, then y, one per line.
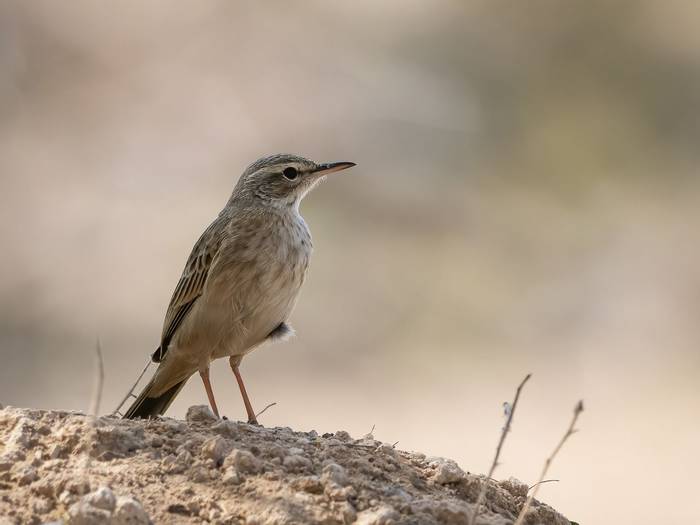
pixel 526 200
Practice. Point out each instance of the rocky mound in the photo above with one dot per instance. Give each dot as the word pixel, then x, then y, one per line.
pixel 66 467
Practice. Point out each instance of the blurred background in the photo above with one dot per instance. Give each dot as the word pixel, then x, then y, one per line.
pixel 526 200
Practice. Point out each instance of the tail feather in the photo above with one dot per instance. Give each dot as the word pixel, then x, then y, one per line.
pixel 147 407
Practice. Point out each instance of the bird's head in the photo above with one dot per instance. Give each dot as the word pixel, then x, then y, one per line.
pixel 282 180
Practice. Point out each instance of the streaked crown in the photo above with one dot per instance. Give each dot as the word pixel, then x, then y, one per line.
pixel 283 179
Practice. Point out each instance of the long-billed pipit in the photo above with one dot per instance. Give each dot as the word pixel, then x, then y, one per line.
pixel 240 283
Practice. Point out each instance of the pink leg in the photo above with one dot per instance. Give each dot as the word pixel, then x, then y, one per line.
pixel 204 374
pixel 248 407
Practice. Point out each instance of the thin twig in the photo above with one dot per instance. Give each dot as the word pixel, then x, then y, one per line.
pixel 264 409
pixel 510 411
pixel 570 431
pixel 541 482
pixel 100 377
pixel 130 393
pixel 91 420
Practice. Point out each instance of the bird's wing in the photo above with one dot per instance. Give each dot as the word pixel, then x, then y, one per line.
pixel 191 284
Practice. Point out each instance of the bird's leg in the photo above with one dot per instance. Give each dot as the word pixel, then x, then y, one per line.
pixel 235 361
pixel 204 374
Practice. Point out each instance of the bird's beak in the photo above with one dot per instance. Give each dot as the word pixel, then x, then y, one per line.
pixel 331 167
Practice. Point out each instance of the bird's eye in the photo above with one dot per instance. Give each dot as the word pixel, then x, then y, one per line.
pixel 290 173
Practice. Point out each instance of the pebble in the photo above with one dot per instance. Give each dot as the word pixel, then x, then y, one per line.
pixel 199 474
pixel 226 428
pixel 216 448
pixel 102 498
pixel 27 475
pixel 42 505
pixel 243 461
pixel 311 484
pixel 231 476
pixel 446 471
pixel 384 515
pixel 515 487
pixel 332 472
pixel 129 512
pixel 296 462
pixel 200 414
pixel 342 435
pixel 82 513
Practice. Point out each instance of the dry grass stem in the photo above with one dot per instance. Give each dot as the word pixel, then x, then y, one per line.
pixel 265 409
pixel 99 381
pixel 541 482
pixel 510 411
pixel 571 430
pixel 130 393
pixel 94 404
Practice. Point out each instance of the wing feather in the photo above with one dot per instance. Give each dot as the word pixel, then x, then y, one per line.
pixel 191 285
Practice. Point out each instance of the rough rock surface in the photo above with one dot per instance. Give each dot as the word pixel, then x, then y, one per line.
pixel 65 467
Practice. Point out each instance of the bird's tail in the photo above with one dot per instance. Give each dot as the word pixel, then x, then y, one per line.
pixel 147 406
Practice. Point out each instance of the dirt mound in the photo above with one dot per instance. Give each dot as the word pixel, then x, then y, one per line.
pixel 63 466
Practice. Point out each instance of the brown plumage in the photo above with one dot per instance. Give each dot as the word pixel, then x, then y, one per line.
pixel 240 283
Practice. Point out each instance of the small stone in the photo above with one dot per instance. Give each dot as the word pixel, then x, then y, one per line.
pixel 129 512
pixel 387 449
pixel 384 515
pixel 21 435
pixel 276 451
pixel 38 458
pixel 417 458
pixel 42 505
pixel 216 448
pixel 174 425
pixel 65 497
pixel 231 476
pixel 55 451
pixel 334 473
pixel 295 462
pixel 447 471
pixel 225 427
pixel 449 512
pixel 398 493
pixel 199 474
pixel 310 484
pixel 515 487
pixel 243 461
pixel 349 513
pixel 337 493
pixel 200 414
pixel 342 435
pixel 5 463
pixel 77 486
pixel 102 498
pixel 47 486
pixel 26 476
pixel 177 464
pixel 114 441
pixel 82 513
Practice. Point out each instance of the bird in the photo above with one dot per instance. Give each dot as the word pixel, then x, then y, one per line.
pixel 240 282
